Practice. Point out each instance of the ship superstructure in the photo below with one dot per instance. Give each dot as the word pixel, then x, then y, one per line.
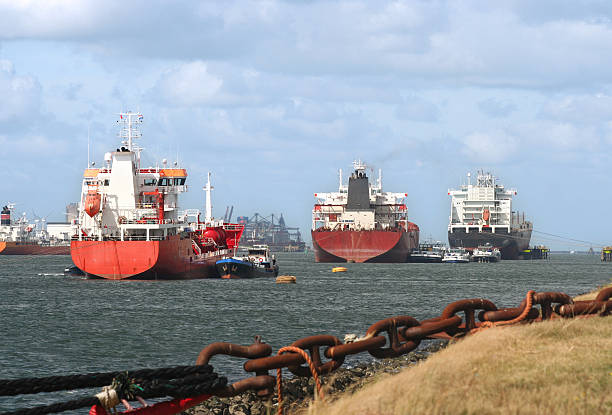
pixel 482 213
pixel 130 225
pixel 362 223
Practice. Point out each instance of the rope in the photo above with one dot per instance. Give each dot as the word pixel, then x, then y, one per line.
pixel 11 387
pixel 279 374
pixel 180 382
pixel 518 319
pixel 108 398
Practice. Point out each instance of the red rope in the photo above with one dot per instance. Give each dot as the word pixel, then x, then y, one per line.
pixel 279 374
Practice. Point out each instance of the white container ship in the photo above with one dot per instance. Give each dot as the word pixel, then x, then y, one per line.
pixel 481 214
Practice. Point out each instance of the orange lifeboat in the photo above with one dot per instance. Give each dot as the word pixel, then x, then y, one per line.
pixel 486 215
pixel 92 203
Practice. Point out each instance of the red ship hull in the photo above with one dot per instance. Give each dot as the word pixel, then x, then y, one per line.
pixel 364 246
pixel 172 258
pixel 16 248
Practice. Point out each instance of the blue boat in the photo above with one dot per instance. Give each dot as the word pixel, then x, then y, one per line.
pixel 257 263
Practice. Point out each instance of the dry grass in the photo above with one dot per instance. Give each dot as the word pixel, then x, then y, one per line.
pixel 591 295
pixel 555 367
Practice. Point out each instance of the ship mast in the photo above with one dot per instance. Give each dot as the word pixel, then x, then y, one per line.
pixel 208 188
pixel 130 130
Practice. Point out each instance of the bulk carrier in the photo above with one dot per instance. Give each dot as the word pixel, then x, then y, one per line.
pixel 130 225
pixel 481 214
pixel 361 223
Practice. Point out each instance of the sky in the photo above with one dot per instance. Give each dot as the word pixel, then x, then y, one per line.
pixel 273 97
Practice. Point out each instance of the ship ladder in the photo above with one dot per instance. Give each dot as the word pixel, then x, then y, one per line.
pixel 196 248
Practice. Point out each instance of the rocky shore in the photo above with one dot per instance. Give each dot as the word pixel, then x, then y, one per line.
pixel 298 392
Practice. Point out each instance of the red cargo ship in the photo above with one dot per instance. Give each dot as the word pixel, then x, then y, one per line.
pixel 24 248
pixel 130 225
pixel 361 223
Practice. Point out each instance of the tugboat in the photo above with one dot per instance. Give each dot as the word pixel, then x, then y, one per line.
pixel 456 256
pixel 257 263
pixel 129 222
pixel 428 253
pixel 486 253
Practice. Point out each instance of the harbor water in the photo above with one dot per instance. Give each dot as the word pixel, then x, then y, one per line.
pixel 54 324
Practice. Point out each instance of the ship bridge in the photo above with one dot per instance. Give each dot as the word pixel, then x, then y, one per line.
pixel 483 205
pixel 123 200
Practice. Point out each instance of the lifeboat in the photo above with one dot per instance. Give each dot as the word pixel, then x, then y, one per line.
pixel 486 215
pixel 92 203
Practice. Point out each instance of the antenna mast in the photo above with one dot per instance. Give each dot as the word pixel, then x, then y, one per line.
pixel 208 188
pixel 130 130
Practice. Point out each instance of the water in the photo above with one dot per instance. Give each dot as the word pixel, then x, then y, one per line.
pixel 54 324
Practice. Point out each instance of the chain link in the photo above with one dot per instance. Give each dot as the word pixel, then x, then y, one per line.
pixel 403 334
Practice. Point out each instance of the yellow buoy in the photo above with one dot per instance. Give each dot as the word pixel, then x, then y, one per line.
pixel 285 279
pixel 338 269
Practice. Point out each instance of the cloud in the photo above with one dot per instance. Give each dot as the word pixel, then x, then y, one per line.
pixel 438 42
pixel 417 109
pixel 581 109
pixel 490 147
pixel 494 107
pixel 20 94
pixel 188 85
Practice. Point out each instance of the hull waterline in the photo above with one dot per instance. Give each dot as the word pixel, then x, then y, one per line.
pixel 16 248
pixel 509 244
pixel 172 258
pixel 364 246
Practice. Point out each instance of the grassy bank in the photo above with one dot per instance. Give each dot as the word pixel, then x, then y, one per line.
pixel 562 366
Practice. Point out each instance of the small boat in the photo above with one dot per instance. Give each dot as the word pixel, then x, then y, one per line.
pixel 73 272
pixel 285 279
pixel 338 269
pixel 486 253
pixel 257 263
pixel 456 255
pixel 428 253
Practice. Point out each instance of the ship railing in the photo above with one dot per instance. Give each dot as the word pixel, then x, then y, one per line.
pixel 146 205
pixel 215 253
pixel 118 238
pixel 150 221
pixel 233 227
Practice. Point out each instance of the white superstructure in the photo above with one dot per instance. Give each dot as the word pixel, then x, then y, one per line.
pixel 483 204
pixel 126 201
pixel 368 207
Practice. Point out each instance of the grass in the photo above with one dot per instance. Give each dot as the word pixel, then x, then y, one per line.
pixel 592 294
pixel 554 367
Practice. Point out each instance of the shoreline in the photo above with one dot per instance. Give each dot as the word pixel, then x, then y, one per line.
pixel 345 384
pixel 298 392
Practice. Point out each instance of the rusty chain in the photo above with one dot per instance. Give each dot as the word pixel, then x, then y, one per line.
pixel 400 335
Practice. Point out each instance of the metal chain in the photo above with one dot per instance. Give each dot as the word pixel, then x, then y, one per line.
pixel 404 334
